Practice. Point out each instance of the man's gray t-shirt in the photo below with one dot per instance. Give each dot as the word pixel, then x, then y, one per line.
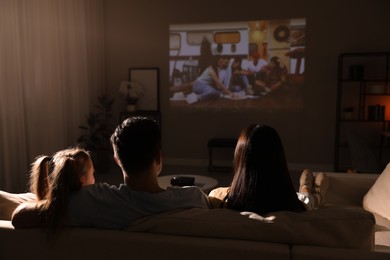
pixel 104 206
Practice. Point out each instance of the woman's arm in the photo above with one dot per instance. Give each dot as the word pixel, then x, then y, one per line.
pixel 29 215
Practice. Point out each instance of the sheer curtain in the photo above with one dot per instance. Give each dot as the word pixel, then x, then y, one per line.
pixel 51 71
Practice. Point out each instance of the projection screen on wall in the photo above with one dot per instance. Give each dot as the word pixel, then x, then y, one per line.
pixel 250 65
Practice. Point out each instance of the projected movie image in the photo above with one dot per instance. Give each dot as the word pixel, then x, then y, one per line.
pixel 252 65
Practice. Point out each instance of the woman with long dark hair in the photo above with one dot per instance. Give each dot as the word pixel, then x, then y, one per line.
pixel 261 181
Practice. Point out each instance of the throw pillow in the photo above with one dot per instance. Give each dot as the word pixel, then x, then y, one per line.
pixel 377 198
pixel 9 201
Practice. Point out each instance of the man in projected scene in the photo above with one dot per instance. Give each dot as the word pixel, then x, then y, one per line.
pixel 271 77
pixel 254 66
pixel 224 72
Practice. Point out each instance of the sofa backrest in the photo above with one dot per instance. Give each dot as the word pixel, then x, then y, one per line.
pixel 330 227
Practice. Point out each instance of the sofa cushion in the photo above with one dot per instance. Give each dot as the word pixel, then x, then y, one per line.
pixel 325 227
pixel 377 198
pixel 9 201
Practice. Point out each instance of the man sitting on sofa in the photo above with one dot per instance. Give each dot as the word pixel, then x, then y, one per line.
pixel 137 150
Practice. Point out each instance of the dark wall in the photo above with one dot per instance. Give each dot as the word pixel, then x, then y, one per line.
pixel 137 36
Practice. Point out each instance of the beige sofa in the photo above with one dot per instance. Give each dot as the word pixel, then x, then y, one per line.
pixel 341 230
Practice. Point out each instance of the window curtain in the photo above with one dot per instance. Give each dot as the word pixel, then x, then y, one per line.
pixel 51 72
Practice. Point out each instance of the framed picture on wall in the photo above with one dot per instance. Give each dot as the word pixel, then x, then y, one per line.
pixel 148 79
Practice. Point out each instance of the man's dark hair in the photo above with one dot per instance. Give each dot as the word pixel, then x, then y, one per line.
pixel 136 142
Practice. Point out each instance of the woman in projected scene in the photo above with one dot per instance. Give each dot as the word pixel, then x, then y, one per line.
pixel 208 85
pixel 262 183
pixel 271 77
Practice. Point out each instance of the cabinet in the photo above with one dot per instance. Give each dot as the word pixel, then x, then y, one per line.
pixel 363 112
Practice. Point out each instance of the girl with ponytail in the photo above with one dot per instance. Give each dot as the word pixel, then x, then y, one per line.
pixel 52 180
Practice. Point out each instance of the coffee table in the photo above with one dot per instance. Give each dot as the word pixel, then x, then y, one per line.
pixel 203 182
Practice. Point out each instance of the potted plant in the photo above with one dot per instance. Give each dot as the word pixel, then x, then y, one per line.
pixel 96 137
pixel 132 91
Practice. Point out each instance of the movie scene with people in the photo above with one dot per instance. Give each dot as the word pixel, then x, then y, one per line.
pixel 251 65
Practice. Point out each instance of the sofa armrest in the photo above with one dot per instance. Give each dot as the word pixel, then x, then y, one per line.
pixel 347 189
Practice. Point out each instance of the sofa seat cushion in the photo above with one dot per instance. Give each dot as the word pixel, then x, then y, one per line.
pixel 332 226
